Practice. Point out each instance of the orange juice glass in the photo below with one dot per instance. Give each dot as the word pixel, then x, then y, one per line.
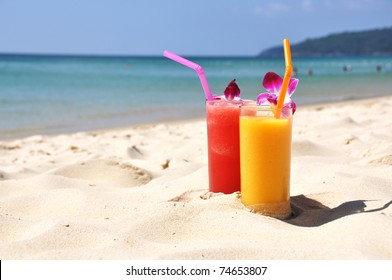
pixel 265 146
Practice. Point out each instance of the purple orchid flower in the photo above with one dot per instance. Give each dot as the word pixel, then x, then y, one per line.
pixel 232 91
pixel 272 82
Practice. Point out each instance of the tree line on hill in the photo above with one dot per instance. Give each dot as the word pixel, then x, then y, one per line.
pixel 370 42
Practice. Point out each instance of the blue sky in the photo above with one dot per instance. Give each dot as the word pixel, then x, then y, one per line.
pixel 187 27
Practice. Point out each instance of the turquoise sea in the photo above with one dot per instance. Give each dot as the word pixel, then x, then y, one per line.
pixel 42 94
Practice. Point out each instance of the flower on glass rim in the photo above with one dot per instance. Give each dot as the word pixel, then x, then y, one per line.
pixel 272 82
pixel 232 91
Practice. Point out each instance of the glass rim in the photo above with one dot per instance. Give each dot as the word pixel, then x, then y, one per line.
pixel 286 111
pixel 241 102
pixel 263 106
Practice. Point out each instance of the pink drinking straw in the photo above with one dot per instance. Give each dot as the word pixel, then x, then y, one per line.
pixel 194 66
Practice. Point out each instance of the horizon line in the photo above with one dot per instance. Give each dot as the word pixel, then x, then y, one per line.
pixel 81 55
pixel 113 55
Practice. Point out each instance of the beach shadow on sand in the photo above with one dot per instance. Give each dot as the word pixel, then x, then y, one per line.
pixel 311 213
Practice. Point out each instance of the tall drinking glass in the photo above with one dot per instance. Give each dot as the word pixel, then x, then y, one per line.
pixel 265 146
pixel 223 145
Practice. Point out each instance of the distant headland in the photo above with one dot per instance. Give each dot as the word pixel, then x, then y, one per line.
pixel 370 42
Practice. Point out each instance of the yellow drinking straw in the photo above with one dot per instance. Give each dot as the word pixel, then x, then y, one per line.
pixel 286 78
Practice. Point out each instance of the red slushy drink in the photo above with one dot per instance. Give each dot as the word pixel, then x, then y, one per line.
pixel 223 145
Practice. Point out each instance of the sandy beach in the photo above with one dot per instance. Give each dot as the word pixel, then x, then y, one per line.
pixel 142 193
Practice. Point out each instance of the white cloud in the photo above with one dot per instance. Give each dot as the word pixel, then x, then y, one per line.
pixel 307 5
pixel 271 9
pixel 278 7
pixel 356 5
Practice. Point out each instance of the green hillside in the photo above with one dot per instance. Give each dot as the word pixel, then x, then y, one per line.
pixel 371 42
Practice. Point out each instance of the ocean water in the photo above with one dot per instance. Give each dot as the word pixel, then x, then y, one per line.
pixel 60 94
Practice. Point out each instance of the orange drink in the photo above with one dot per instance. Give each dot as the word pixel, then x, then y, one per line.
pixel 265 155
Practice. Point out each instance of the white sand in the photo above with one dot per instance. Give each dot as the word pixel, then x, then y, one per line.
pixel 141 193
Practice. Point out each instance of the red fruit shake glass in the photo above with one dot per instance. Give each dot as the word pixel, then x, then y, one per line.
pixel 223 145
pixel 223 114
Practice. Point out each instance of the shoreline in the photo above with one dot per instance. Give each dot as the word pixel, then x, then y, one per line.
pixel 342 103
pixel 184 119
